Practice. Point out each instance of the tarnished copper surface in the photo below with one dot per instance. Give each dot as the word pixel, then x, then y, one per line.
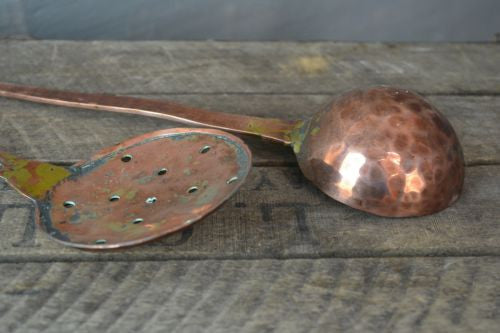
pixel 382 150
pixel 273 129
pixel 385 151
pixel 139 190
pixel 31 178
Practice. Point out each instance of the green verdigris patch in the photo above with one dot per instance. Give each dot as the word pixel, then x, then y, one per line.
pixel 207 196
pixel 131 194
pixel 256 128
pixel 88 215
pixel 145 179
pixel 297 136
pixel 31 177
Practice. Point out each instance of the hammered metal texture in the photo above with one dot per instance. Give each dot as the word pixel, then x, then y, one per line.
pixel 382 150
pixel 385 151
pixel 145 188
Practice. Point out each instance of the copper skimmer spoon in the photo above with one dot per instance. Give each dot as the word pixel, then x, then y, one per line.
pixel 136 191
pixel 382 150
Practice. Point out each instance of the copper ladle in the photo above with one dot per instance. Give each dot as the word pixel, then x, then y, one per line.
pixel 382 150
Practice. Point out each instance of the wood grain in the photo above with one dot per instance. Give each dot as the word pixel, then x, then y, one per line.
pixel 279 255
pixel 250 67
pixel 66 135
pixel 278 214
pixel 324 295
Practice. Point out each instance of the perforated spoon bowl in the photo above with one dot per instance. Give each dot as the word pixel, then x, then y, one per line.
pixel 134 192
pixel 382 150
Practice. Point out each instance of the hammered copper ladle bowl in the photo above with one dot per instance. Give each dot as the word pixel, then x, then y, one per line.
pixel 382 150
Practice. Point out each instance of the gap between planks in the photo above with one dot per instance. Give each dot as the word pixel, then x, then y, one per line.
pixel 29 259
pixel 472 93
pixel 269 164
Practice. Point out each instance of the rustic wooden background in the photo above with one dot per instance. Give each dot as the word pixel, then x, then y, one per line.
pixel 279 255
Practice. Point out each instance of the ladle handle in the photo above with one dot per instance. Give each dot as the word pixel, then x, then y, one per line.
pixel 273 129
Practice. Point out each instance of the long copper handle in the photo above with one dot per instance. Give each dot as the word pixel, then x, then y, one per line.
pixel 270 128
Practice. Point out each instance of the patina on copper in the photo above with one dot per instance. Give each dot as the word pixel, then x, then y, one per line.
pixel 136 191
pixel 385 151
pixel 382 150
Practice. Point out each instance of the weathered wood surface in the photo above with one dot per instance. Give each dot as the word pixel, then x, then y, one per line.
pixel 324 295
pixel 62 134
pixel 277 214
pixel 235 67
pixel 265 260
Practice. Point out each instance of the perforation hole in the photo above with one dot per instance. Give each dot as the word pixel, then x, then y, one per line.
pixel 69 204
pixel 232 180
pixel 126 158
pixel 205 149
pixel 114 198
pixel 192 189
pixel 151 200
pixel 138 220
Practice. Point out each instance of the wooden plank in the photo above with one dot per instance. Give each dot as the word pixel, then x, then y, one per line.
pixel 324 295
pixel 60 134
pixel 250 67
pixel 278 214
